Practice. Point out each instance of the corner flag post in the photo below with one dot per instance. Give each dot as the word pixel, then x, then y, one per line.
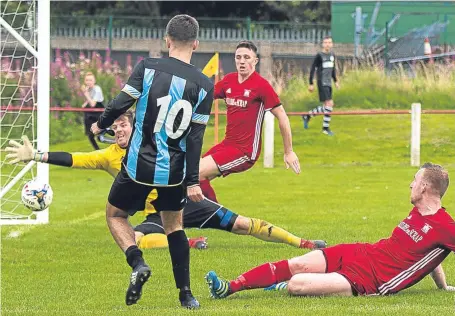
pixel 212 69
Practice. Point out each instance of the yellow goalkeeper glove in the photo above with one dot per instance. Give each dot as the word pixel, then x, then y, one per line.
pixel 22 152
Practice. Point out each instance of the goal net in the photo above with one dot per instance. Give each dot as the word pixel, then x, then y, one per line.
pixel 24 100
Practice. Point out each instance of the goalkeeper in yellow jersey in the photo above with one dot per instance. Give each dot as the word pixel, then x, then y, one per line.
pixel 150 233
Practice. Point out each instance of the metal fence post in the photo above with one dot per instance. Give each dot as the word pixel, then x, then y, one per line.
pixel 446 19
pixel 386 47
pixel 109 27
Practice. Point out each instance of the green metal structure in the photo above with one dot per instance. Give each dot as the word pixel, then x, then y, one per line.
pixel 413 14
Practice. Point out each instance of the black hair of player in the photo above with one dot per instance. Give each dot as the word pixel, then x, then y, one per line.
pixel 183 28
pixel 129 115
pixel 248 44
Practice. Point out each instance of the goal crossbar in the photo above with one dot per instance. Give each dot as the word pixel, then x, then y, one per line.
pixel 18 37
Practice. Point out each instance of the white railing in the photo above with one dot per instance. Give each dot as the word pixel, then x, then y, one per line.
pixel 285 34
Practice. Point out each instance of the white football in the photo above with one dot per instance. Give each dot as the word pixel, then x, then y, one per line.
pixel 37 195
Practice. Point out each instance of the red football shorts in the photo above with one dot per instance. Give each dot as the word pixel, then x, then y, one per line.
pixel 229 159
pixel 351 261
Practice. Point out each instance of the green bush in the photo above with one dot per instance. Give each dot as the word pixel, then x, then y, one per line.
pixel 66 79
pixel 432 86
pixel 367 88
pixel 61 94
pixel 9 91
pixel 66 128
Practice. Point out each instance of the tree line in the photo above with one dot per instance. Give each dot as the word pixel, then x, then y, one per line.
pixel 275 11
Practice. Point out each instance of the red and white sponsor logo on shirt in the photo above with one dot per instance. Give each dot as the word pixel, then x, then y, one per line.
pixel 426 228
pixel 236 102
pixel 410 232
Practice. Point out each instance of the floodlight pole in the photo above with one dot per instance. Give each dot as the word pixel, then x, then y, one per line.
pixel 386 47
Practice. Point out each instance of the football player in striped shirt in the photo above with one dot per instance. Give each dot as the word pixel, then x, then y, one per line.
pixel 325 65
pixel 150 233
pixel 416 248
pixel 174 101
pixel 248 97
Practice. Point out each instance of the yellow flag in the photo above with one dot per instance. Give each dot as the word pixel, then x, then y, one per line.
pixel 211 69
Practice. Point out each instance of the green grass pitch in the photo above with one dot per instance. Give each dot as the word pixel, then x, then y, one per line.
pixel 353 187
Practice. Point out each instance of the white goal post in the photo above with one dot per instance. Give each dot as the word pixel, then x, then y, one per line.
pixel 25 73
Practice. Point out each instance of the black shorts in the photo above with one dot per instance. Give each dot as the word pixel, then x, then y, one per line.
pixel 325 93
pixel 205 214
pixel 130 196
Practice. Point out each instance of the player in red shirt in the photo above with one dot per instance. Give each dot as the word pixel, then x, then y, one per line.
pixel 248 96
pixel 416 248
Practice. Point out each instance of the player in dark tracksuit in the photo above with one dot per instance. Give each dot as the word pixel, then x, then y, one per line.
pixel 324 63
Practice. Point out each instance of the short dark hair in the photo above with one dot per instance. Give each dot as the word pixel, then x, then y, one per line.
pixel 327 37
pixel 437 177
pixel 182 28
pixel 129 115
pixel 248 44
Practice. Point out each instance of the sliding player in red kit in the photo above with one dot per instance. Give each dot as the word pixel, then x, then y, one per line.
pixel 416 248
pixel 248 96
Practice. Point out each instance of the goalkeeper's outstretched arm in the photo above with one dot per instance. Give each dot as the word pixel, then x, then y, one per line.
pixel 25 153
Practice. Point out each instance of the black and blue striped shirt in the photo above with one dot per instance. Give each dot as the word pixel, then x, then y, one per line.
pixel 174 101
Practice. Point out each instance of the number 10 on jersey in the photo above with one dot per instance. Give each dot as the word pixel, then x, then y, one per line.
pixel 167 115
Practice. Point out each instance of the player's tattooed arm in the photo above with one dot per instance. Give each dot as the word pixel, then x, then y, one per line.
pixel 193 154
pixel 125 99
pixel 118 106
pixel 194 147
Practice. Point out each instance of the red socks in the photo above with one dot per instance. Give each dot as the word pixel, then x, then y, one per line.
pixel 207 190
pixel 262 276
pixel 282 271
